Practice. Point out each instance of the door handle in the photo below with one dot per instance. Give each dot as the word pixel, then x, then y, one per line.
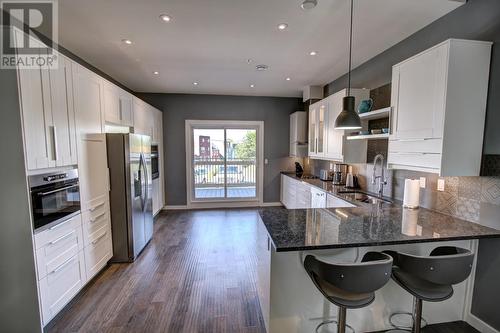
pixel 95 241
pixel 61 266
pixel 57 190
pixel 92 220
pixel 96 206
pixel 62 238
pixel 54 136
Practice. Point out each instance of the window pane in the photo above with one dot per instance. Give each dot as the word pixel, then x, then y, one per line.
pixel 208 163
pixel 241 173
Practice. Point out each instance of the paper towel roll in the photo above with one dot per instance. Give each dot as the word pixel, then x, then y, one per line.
pixel 409 225
pixel 411 198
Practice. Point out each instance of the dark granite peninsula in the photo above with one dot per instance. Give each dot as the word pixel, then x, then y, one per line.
pixel 289 300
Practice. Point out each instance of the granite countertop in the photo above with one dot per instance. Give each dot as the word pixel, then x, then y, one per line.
pixel 367 224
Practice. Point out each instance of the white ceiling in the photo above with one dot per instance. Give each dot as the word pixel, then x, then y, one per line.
pixel 209 41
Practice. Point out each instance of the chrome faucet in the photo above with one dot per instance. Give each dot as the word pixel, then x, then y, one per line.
pixel 381 178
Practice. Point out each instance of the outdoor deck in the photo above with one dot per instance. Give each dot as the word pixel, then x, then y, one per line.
pixel 232 192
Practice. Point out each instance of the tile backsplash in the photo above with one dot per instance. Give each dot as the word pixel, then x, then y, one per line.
pixel 475 199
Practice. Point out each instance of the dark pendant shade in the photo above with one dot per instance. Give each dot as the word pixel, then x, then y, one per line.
pixel 348 118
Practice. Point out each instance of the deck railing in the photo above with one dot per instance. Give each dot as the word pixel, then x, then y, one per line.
pixel 209 172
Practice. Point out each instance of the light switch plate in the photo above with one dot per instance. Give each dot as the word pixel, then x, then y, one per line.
pixel 266 161
pixel 422 182
pixel 440 185
pixel 331 166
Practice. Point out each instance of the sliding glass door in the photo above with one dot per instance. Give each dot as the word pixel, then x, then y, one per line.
pixel 224 160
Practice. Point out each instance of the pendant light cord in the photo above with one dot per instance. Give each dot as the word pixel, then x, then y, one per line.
pixel 350 54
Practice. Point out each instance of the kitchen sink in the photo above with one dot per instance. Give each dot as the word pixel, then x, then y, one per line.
pixel 363 197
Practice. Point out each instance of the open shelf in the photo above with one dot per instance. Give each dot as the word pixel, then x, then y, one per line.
pixel 376 114
pixel 368 136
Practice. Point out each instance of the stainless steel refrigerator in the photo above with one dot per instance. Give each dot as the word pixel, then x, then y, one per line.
pixel 129 162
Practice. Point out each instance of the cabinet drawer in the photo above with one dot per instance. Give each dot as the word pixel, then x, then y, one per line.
pixel 423 160
pixel 98 252
pixel 94 222
pixel 57 231
pixel 416 146
pixel 58 251
pixel 60 285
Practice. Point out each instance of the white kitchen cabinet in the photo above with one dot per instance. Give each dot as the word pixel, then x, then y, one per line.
pixel 317 129
pixel 117 105
pixel 157 126
pixel 325 142
pixel 46 97
pixel 88 101
pixel 439 106
pixel 334 202
pixel 143 118
pixel 63 113
pixel 337 147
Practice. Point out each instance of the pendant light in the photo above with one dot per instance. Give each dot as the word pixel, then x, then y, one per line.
pixel 348 119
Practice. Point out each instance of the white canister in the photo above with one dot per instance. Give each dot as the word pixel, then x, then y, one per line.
pixel 411 198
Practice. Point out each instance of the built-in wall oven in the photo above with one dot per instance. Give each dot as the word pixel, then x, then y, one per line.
pixel 155 172
pixel 55 197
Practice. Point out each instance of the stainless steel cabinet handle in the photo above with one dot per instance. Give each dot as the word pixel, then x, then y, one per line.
pixel 57 190
pixel 97 217
pixel 59 225
pixel 62 237
pixel 64 264
pixel 56 149
pixel 96 206
pixel 95 241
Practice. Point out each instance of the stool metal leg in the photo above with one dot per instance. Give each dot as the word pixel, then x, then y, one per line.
pixel 341 319
pixel 418 315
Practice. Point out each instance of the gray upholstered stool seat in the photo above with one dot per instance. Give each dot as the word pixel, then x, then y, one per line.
pixel 349 285
pixel 430 278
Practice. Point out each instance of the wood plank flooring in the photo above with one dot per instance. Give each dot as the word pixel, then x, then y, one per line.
pixel 196 275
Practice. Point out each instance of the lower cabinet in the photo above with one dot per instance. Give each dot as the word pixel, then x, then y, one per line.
pixel 70 254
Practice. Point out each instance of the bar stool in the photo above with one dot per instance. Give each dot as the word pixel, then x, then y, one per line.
pixel 351 285
pixel 431 278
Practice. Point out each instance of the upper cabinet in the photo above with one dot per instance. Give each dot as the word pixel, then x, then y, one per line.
pixel 325 142
pixel 117 105
pixel 46 97
pixel 143 117
pixel 439 106
pixel 88 101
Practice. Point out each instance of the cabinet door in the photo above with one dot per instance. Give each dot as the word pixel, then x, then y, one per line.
pixel 87 100
pixel 157 126
pixel 143 118
pixel 126 114
pixel 322 113
pixel 111 98
pixel 93 169
pixel 312 130
pixel 419 95
pixel 36 116
pixel 63 113
pixel 335 138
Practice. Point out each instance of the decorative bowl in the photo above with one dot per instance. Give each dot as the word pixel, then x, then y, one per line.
pixel 365 106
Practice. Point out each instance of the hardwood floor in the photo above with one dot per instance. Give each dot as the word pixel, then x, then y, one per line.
pixel 196 275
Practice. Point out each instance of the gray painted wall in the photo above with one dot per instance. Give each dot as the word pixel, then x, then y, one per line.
pixel 19 310
pixel 274 111
pixel 477 19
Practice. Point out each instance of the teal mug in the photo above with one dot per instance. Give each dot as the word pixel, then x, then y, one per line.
pixel 365 106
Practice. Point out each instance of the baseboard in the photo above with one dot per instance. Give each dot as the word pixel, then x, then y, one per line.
pixel 271 204
pixel 480 325
pixel 222 205
pixel 174 207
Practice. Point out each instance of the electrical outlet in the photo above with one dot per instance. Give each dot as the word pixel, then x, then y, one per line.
pixel 331 166
pixel 440 185
pixel 422 182
pixel 266 161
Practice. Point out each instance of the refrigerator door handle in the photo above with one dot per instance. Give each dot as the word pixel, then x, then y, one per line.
pixel 145 169
pixel 141 176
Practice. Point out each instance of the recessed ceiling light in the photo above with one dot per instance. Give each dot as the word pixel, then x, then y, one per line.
pixel 252 85
pixel 156 73
pixel 288 79
pixel 309 4
pixel 249 60
pixel 261 67
pixel 195 83
pixel 127 41
pixel 313 53
pixel 282 26
pixel 165 18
